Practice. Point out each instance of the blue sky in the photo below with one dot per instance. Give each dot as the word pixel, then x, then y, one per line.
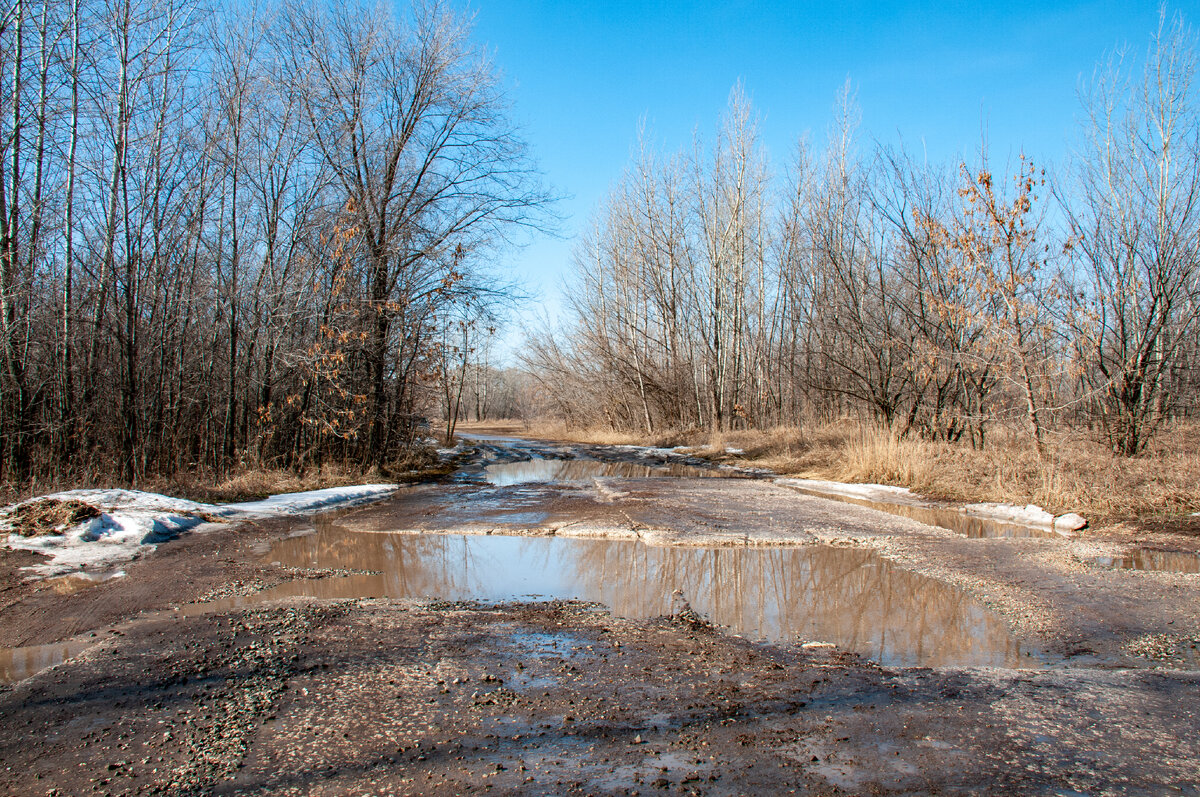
pixel 582 75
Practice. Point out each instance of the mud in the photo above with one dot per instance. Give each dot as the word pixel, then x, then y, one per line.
pixel 392 697
pixel 187 679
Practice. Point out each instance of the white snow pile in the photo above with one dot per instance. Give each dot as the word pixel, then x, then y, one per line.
pixel 1028 515
pixel 648 451
pixel 131 521
pixel 309 502
pixel 455 450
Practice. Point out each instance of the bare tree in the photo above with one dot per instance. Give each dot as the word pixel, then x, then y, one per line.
pixel 1135 223
pixel 409 121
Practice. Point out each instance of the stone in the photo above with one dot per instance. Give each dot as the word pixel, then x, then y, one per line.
pixel 1069 522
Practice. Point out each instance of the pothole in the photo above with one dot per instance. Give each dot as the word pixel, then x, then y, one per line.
pixel 851 597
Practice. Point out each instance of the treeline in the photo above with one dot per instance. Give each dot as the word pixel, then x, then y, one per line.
pixel 713 292
pixel 248 235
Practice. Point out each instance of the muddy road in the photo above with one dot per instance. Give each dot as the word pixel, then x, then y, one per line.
pixel 583 620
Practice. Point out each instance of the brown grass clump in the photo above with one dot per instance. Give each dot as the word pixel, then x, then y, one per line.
pixel 1078 474
pixel 876 455
pixel 49 516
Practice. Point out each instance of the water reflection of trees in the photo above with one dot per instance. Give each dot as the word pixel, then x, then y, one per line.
pixel 848 596
pixel 19 663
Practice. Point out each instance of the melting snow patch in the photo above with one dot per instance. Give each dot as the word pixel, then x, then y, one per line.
pixel 131 521
pixel 648 451
pixel 1028 515
pixel 446 453
pixel 311 501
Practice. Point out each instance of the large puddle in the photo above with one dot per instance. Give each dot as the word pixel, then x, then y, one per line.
pixel 945 518
pixel 850 597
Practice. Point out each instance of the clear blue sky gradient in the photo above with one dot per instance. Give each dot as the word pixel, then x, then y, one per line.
pixel 582 75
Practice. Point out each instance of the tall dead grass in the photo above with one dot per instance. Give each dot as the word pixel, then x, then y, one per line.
pixel 872 454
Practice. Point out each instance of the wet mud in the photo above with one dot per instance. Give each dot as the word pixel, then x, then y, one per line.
pixel 396 697
pixel 604 621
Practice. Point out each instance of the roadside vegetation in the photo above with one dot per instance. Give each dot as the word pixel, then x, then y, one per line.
pixel 243 245
pixel 981 329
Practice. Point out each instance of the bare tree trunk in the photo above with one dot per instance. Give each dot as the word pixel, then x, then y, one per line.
pixel 67 417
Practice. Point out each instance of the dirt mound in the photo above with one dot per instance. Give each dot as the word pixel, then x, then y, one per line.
pixel 49 516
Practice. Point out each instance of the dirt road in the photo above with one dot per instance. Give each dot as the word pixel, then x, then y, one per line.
pixel 309 667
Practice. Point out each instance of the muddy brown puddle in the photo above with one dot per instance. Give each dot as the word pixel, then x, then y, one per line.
pixel 1148 559
pixel 19 663
pixel 813 593
pixel 818 594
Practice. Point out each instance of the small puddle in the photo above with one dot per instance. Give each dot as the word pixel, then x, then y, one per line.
pixel 574 470
pixel 850 597
pixel 77 582
pixel 16 664
pixel 950 519
pixel 1146 559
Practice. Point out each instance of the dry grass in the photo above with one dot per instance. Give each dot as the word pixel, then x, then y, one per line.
pixel 245 484
pixel 1078 475
pixel 255 483
pixel 49 516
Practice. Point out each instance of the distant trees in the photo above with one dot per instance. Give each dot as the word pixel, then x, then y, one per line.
pixel 232 236
pixel 937 301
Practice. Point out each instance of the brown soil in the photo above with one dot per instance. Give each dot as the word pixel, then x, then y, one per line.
pixel 389 696
pixel 1188 526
